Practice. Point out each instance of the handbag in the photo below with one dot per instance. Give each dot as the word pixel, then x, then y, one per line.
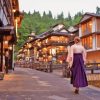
pixel 68 72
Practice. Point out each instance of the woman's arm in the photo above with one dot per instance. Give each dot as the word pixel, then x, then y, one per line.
pixel 71 55
pixel 68 56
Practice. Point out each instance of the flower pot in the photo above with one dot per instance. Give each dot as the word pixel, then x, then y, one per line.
pixel 1 75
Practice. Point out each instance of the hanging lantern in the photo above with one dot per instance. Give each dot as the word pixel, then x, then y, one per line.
pixel 10 47
pixel 5 44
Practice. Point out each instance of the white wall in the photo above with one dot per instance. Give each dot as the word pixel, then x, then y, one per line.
pixel 94 25
pixel 2 16
pixel 80 31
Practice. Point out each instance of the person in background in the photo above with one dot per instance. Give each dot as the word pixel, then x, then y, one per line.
pixel 78 60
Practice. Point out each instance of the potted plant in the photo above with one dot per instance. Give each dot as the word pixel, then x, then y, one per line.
pixel 1 75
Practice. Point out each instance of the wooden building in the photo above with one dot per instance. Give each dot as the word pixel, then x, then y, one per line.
pixel 89 31
pixel 52 45
pixel 10 19
pixel 46 47
pixel 26 52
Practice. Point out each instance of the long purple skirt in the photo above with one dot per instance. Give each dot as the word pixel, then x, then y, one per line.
pixel 78 77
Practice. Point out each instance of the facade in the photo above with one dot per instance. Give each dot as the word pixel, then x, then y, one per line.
pixel 46 47
pixel 89 31
pixel 52 46
pixel 26 52
pixel 10 19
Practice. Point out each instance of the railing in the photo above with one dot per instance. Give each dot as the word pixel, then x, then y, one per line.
pixel 63 68
pixel 92 66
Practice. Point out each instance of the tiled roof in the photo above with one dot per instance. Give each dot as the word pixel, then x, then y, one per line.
pixel 92 14
pixel 88 15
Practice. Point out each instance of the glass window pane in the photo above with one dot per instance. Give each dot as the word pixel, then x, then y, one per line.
pixel 88 42
pixel 98 41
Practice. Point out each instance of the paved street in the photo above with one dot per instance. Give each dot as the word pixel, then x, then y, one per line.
pixel 29 84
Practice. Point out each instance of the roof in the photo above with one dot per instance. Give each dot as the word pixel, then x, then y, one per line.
pixel 56 30
pixel 6 28
pixel 92 14
pixel 73 29
pixel 88 15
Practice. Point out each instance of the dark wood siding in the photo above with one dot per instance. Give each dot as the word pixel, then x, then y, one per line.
pixel 98 24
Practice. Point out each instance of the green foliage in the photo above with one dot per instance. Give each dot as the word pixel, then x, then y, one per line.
pixel 97 10
pixel 39 24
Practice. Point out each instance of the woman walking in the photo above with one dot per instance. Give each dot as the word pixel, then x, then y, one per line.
pixel 78 60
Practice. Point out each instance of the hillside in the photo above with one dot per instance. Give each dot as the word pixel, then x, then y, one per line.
pixel 39 24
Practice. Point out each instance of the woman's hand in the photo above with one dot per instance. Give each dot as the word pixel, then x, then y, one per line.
pixel 84 62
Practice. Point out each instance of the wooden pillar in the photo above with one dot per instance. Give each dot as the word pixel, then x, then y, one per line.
pixel 6 61
pixel 50 66
pixel 1 54
pixel 10 59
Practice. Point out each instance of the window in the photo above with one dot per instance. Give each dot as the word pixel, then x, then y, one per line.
pixel 86 27
pixel 98 41
pixel 87 42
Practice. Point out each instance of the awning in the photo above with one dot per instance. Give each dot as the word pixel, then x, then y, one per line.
pixel 6 28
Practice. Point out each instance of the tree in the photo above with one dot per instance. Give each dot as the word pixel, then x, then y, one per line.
pixel 50 14
pixel 44 14
pixel 36 14
pixel 60 16
pixel 69 16
pixel 37 29
pixel 97 10
pixel 29 13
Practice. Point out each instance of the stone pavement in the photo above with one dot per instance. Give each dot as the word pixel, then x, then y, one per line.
pixel 29 84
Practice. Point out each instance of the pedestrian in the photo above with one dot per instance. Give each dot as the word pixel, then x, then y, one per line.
pixel 78 60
